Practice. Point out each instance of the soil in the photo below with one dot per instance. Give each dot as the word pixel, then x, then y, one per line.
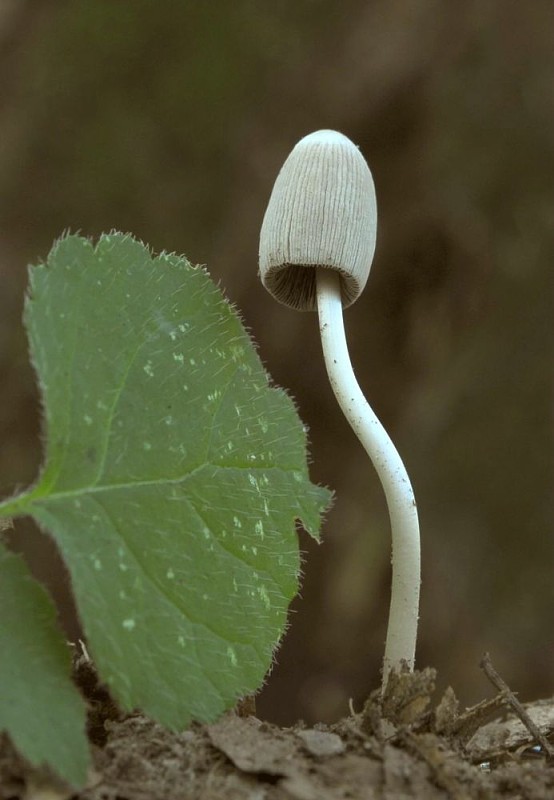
pixel 399 746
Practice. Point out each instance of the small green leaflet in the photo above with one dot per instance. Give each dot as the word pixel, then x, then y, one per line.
pixel 173 479
pixel 39 706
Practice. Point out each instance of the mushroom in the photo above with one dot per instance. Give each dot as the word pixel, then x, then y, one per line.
pixel 316 247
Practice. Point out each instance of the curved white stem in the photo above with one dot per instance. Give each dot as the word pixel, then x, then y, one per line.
pixel 404 607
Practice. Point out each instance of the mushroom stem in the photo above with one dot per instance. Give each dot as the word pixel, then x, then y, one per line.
pixel 403 615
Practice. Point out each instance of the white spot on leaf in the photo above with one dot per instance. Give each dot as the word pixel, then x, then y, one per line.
pixel 264 597
pixel 237 352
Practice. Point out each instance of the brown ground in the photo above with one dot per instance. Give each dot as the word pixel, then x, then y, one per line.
pixel 402 747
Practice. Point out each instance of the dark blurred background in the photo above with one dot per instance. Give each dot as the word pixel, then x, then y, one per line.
pixel 171 120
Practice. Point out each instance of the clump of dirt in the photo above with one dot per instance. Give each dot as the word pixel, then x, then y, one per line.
pixel 399 746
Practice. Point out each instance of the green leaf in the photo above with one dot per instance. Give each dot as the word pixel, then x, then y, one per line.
pixel 39 706
pixel 174 475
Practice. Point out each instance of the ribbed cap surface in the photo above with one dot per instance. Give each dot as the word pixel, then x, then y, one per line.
pixel 322 213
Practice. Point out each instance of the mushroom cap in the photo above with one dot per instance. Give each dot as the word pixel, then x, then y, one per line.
pixel 322 213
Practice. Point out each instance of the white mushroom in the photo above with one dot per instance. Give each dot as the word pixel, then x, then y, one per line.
pixel 316 246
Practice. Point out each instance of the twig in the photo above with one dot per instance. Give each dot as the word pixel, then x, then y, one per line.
pixel 511 699
pixel 469 722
